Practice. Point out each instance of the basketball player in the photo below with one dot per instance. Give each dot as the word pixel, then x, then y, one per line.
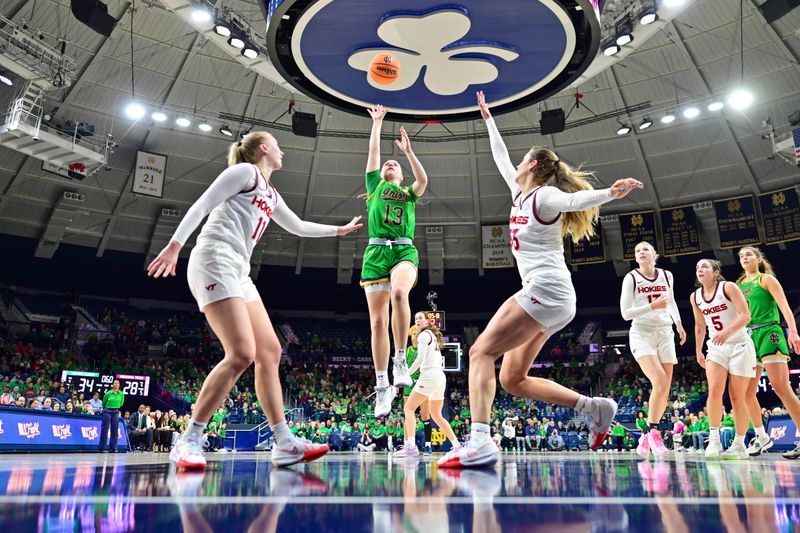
pixel 240 204
pixel 550 200
pixel 767 302
pixel 647 299
pixel 720 307
pixel 429 387
pixel 424 408
pixel 389 270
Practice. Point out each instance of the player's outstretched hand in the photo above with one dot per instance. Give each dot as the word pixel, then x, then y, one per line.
pixel 353 225
pixel 377 112
pixel 485 113
pixel 622 188
pixel 165 263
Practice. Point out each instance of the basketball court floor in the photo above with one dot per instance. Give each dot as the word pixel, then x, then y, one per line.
pixel 369 492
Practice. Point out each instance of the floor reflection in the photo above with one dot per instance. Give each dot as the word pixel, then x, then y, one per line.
pixel 243 492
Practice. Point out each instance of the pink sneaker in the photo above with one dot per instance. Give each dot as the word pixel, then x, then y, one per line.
pixel 657 444
pixel 643 448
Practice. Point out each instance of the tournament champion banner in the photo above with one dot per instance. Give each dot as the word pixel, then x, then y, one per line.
pixel 588 251
pixel 736 221
pixel 37 430
pixel 496 247
pixel 679 229
pixel 781 212
pixel 637 227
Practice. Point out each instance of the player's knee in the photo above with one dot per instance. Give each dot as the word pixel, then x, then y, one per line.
pixel 241 355
pixel 399 294
pixel 510 382
pixel 659 383
pixel 782 389
pixel 379 323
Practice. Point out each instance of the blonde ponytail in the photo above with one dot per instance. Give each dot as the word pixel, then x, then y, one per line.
pixel 579 224
pixel 246 150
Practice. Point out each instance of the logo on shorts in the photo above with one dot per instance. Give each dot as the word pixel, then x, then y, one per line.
pixel 211 287
pixel 534 301
pixel 773 338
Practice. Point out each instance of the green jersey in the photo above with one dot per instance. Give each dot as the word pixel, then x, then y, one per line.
pixel 390 208
pixel 763 309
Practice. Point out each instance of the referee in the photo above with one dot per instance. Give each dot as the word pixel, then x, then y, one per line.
pixel 112 401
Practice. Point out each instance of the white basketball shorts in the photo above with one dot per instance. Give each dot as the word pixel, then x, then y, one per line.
pixel 217 272
pixel 550 300
pixel 659 342
pixel 737 355
pixel 431 385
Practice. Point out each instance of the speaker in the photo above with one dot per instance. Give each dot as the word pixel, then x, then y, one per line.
pixel 775 9
pixel 304 124
pixel 95 15
pixel 552 121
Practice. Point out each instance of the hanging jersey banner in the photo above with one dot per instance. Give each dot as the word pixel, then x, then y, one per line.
pixel 637 227
pixel 736 222
pixel 496 248
pixel 781 212
pixel 679 229
pixel 148 178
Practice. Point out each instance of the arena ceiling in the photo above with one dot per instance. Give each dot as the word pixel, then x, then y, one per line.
pixel 694 59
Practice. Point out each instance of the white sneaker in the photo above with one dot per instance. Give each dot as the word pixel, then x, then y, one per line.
pixel 383 400
pixel 735 451
pixel 474 454
pixel 297 450
pixel 400 372
pixel 759 446
pixel 713 449
pixel 188 453
pixel 601 420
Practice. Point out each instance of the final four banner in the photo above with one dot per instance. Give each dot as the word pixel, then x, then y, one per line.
pixel 679 229
pixel 637 227
pixel 781 212
pixel 736 221
pixel 588 251
pixel 496 247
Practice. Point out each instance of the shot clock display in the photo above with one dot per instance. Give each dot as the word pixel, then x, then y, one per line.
pixel 436 318
pixel 90 382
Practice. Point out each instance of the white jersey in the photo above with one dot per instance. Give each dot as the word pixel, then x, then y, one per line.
pixel 639 291
pixel 537 244
pixel 429 358
pixel 718 312
pixel 240 204
pixel 241 220
pixel 536 218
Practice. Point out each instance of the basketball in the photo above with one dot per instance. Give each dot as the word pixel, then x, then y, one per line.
pixel 384 68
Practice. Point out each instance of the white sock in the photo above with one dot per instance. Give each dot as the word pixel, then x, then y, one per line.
pixel 738 439
pixel 194 430
pixel 382 377
pixel 400 353
pixel 479 431
pixel 586 405
pixel 761 433
pixel 409 444
pixel 714 434
pixel 282 433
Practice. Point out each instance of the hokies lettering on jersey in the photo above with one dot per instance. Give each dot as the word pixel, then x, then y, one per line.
pixel 717 311
pixel 647 290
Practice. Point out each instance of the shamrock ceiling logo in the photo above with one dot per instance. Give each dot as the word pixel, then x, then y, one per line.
pixel 431 39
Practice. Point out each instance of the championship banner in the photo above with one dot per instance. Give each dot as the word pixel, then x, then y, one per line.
pixel 637 227
pixel 781 212
pixel 736 222
pixel 588 251
pixel 36 430
pixel 679 229
pixel 148 178
pixel 496 248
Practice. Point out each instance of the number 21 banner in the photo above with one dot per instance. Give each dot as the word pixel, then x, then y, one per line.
pixel 148 178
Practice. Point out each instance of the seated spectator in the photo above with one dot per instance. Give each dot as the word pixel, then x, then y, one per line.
pixel 140 435
pixel 366 444
pixel 555 443
pixel 96 403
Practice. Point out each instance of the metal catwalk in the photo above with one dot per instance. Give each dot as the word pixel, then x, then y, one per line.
pixel 369 492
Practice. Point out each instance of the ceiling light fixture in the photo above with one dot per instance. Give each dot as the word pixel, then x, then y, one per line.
pixel 668 118
pixel 624 129
pixel 715 106
pixel 691 112
pixel 158 116
pixel 249 51
pixel 183 122
pixel 226 131
pixel 222 28
pixel 236 41
pixel 646 123
pixel 204 126
pixel 135 110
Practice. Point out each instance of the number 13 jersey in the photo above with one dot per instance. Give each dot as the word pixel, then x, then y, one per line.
pixel 391 208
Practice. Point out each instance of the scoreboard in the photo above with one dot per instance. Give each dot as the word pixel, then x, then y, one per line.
pixel 91 382
pixel 436 318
